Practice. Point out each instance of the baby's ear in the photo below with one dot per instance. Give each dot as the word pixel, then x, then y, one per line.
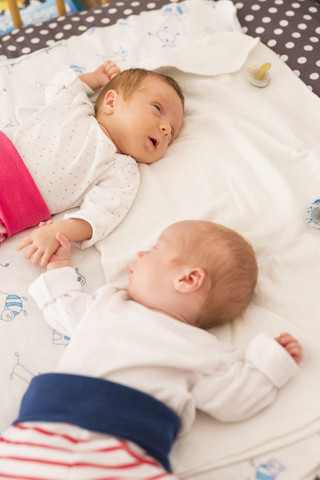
pixel 190 280
pixel 110 101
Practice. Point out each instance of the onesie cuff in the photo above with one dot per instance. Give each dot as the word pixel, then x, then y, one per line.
pixel 68 77
pixel 272 359
pixel 54 284
pixel 69 80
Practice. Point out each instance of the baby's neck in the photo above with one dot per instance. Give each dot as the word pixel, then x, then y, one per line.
pixel 105 131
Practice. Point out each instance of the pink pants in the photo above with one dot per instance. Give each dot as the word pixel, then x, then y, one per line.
pixel 59 451
pixel 3 231
pixel 21 203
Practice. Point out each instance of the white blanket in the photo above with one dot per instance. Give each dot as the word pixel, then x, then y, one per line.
pixel 246 157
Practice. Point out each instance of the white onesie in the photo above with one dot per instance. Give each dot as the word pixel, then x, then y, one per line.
pixel 184 367
pixel 71 160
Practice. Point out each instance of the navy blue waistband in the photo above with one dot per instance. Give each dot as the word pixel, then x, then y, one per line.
pixel 103 406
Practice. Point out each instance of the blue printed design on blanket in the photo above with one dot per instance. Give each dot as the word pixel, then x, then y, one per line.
pixel 38 86
pixel 81 278
pixel 11 305
pixel 268 470
pixel 60 339
pixel 9 123
pixel 117 56
pixel 166 37
pixel 176 11
pixel 20 371
pixel 77 69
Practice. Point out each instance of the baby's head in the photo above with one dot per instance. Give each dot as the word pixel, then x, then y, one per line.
pixel 142 112
pixel 198 272
pixel 231 268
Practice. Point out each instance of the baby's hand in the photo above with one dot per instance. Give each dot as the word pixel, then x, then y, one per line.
pixel 106 72
pixel 41 243
pixel 61 257
pixel 292 346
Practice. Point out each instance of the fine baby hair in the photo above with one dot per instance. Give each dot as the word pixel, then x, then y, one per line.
pixel 128 81
pixel 231 268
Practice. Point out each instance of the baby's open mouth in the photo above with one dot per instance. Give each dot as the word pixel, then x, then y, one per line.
pixel 153 141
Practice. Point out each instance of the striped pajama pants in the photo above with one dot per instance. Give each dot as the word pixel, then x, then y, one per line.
pixel 60 451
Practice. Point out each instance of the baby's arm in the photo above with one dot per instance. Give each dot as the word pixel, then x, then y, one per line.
pixel 101 76
pixel 245 385
pixel 58 292
pixel 42 242
pixel 291 345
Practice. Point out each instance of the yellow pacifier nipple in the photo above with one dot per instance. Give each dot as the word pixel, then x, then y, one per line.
pixel 259 76
pixel 263 70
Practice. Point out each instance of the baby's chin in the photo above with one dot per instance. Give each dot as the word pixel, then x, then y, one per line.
pixel 147 159
pixel 129 292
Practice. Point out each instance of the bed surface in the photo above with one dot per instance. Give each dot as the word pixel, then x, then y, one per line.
pixel 245 158
pixel 289 28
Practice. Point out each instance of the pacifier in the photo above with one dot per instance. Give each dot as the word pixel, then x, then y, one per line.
pixel 259 76
pixel 312 214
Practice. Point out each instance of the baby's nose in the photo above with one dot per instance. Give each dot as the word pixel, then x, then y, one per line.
pixel 139 255
pixel 166 129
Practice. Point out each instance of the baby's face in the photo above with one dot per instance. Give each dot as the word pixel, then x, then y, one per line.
pixel 152 273
pixel 148 121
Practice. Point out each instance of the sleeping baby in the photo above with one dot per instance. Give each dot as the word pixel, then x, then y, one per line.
pixel 140 361
pixel 71 154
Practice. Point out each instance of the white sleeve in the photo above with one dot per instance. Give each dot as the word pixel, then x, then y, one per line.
pixel 107 203
pixel 65 86
pixel 248 385
pixel 58 293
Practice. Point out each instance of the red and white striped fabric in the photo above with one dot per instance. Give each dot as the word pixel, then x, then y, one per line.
pixel 59 451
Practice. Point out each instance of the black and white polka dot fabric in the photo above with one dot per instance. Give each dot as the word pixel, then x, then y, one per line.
pixel 31 38
pixel 289 27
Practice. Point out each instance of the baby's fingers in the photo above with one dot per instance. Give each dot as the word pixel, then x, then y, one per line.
pixel 34 252
pixel 63 240
pixel 44 259
pixel 111 68
pixel 292 346
pixel 43 224
pixel 285 338
pixel 24 243
pixel 39 255
pixel 114 72
pixel 295 350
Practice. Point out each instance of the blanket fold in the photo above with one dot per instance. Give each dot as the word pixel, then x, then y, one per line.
pixel 210 56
